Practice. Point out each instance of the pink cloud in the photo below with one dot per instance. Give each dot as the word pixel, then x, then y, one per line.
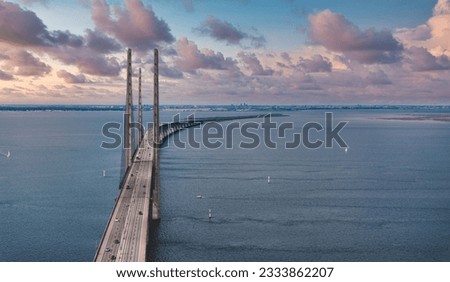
pixel 336 33
pixel 442 8
pixel 434 34
pixel 136 26
pixel 71 78
pixel 23 63
pixel 316 64
pixel 5 76
pixel 88 61
pixel 253 64
pixel 420 59
pixel 191 58
pixel 378 78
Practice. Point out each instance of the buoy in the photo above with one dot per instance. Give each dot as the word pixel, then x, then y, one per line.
pixel 346 149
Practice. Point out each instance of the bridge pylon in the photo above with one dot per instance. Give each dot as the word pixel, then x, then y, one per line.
pixel 128 117
pixel 156 139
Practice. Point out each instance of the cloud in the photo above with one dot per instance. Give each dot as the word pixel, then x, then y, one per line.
pixel 71 78
pixel 25 32
pixel 442 8
pixel 136 26
pixel 89 62
pixel 422 32
pixel 188 5
pixel 21 27
pixel 25 64
pixel 191 58
pixel 30 2
pixel 336 33
pixel 378 78
pixel 5 76
pixel 434 34
pixel 252 63
pixel 420 59
pixel 225 31
pixel 25 28
pixel 165 70
pixel 101 43
pixel 316 64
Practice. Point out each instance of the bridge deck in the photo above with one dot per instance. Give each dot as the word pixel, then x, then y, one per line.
pixel 125 237
pixel 126 234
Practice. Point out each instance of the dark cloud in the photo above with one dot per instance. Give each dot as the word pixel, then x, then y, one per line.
pixel 66 38
pixel 25 64
pixel 22 27
pixel 71 78
pixel 165 70
pixel 29 2
pixel 286 57
pixel 419 59
pixel 5 76
pixel 316 64
pixel 89 62
pixel 336 33
pixel 378 78
pixel 100 42
pixel 136 26
pixel 253 64
pixel 225 31
pixel 191 58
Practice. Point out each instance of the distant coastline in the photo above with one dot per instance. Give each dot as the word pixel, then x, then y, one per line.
pixel 227 108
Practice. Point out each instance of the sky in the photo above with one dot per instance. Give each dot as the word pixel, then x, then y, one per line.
pixel 227 52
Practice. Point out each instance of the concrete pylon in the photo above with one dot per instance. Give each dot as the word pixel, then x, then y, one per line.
pixel 156 139
pixel 140 124
pixel 128 120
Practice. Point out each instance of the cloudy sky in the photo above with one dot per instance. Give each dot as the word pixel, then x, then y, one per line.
pixel 224 52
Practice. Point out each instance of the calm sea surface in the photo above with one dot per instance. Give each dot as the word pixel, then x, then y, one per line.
pixel 386 199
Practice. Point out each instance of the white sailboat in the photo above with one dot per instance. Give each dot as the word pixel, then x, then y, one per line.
pixel 268 179
pixel 104 173
pixel 8 155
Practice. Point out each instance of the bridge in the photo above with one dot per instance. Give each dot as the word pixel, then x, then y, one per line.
pixel 126 236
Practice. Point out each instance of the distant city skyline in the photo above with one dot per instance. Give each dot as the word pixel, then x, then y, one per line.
pixel 227 52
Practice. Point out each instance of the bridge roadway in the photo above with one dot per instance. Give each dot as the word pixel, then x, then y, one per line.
pixel 126 234
pixel 125 237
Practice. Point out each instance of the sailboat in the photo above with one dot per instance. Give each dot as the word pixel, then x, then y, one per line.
pixel 268 179
pixel 104 173
pixel 7 154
